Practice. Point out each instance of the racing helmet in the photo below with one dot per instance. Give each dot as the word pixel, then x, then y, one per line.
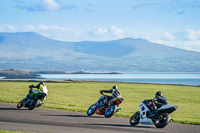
pixel 116 92
pixel 115 87
pixel 41 83
pixel 159 93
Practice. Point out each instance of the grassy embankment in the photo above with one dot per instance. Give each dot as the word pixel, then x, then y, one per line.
pixel 79 96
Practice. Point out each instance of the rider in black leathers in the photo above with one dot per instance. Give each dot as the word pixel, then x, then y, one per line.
pixel 160 100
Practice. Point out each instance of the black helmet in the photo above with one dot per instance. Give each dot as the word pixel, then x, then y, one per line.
pixel 115 87
pixel 158 94
pixel 41 83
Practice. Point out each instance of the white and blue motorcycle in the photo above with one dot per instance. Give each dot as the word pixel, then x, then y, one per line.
pixel 149 114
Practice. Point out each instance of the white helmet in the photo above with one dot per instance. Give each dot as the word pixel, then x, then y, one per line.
pixel 116 92
pixel 115 87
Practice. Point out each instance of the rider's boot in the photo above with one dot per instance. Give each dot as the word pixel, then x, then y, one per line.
pixel 105 102
pixel 118 109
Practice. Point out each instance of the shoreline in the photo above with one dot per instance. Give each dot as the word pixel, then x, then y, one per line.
pixel 81 81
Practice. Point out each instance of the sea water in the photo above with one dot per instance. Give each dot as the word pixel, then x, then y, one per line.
pixel 162 78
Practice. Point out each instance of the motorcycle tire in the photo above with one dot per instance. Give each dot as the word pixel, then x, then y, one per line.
pixel 110 111
pixel 19 105
pixel 91 110
pixel 164 122
pixel 33 105
pixel 134 120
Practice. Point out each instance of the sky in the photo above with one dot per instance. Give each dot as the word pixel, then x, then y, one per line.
pixel 173 23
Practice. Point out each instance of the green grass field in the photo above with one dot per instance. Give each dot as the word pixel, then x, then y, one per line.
pixel 79 96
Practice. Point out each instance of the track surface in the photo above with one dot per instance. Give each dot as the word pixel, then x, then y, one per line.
pixel 57 121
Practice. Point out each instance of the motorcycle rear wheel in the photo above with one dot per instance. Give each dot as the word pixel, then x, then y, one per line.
pixel 33 105
pixel 110 111
pixel 134 120
pixel 91 110
pixel 163 122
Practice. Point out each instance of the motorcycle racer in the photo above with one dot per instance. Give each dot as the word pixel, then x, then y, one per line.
pixel 34 98
pixel 41 88
pixel 160 100
pixel 115 95
pixel 107 105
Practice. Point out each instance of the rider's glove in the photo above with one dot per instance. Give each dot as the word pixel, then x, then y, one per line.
pixel 31 86
pixel 101 91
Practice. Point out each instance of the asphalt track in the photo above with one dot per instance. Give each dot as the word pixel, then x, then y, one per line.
pixel 57 121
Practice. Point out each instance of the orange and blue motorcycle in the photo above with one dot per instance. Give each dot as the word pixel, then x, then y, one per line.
pixel 105 107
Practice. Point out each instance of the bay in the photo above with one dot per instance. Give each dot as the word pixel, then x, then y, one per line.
pixel 161 78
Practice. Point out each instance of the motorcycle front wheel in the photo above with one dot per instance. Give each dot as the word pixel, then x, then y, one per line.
pixel 19 105
pixel 91 110
pixel 163 122
pixel 110 111
pixel 134 120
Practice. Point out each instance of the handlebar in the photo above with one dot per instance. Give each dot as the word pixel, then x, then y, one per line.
pixel 103 94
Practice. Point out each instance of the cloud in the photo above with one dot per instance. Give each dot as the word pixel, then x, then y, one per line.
pixel 112 32
pixel 116 31
pixel 100 31
pixel 32 28
pixel 53 32
pixel 192 35
pixel 7 28
pixel 187 39
pixel 45 5
pixel 28 28
pixel 169 36
pixel 50 5
pixel 171 6
pixel 68 34
pixel 187 45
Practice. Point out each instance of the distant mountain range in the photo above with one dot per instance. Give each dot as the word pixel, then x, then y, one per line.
pixel 31 51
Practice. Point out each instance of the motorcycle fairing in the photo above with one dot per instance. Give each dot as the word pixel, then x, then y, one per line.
pixel 100 111
pixel 167 109
pixel 143 115
pixel 116 101
pixel 41 95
